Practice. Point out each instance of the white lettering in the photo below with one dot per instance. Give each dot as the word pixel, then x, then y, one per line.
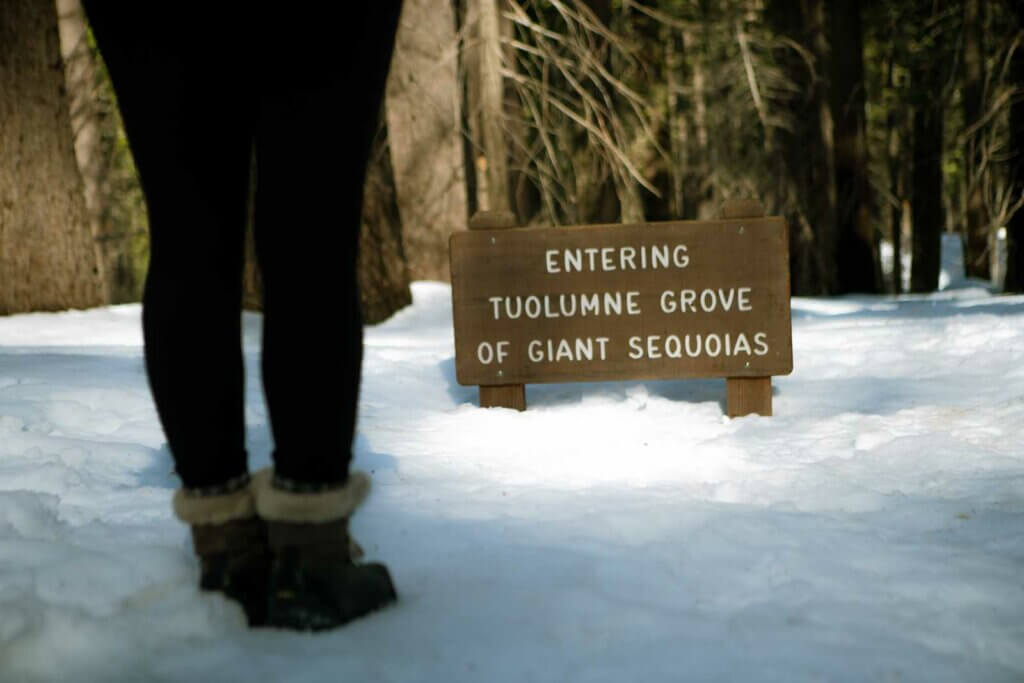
pixel 692 353
pixel 584 348
pixel 659 255
pixel 607 258
pixel 626 257
pixel 485 353
pixel 567 312
pixel 652 346
pixel 613 301
pixel 551 260
pixel 564 350
pixel 707 300
pixel 744 303
pixel 668 302
pixel 761 340
pixel 742 345
pixel 571 350
pixel 673 346
pixel 532 307
pixel 535 351
pixel 519 307
pixel 687 300
pixel 502 348
pixel 636 351
pixel 679 256
pixel 548 313
pixel 573 260
pixel 718 345
pixel 617 258
pixel 632 305
pixel 727 300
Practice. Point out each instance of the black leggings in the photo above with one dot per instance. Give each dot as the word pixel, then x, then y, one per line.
pixel 200 86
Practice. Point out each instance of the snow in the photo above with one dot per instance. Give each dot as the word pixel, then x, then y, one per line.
pixel 873 530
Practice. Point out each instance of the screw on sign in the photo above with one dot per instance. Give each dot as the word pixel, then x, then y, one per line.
pixel 665 300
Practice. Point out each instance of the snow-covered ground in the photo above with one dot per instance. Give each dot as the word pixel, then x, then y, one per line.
pixel 873 530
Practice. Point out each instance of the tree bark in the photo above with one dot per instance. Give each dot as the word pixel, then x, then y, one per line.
pixel 677 130
pixel 492 99
pixel 424 124
pixel 86 127
pixel 821 182
pixel 926 193
pixel 383 270
pixel 701 199
pixel 894 125
pixel 47 254
pixel 1015 229
pixel 858 252
pixel 807 176
pixel 467 74
pixel 927 79
pixel 976 254
pixel 95 130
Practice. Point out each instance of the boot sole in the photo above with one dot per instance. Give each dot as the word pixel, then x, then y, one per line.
pixel 298 613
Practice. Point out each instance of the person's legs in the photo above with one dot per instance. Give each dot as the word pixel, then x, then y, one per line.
pixel 188 122
pixel 187 113
pixel 321 94
pixel 320 101
pixel 185 99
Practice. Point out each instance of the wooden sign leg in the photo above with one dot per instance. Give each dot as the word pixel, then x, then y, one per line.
pixel 504 396
pixel 746 395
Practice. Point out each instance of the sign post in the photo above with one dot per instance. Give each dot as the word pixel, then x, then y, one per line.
pixel 667 300
pixel 499 395
pixel 746 395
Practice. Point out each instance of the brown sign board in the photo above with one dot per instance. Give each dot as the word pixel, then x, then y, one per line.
pixel 667 300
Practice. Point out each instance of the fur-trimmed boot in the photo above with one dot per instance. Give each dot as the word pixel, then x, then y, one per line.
pixel 231 544
pixel 315 583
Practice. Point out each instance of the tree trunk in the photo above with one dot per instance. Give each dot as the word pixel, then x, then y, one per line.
pixel 491 114
pixel 894 159
pixel 677 129
pixel 383 271
pixel 926 191
pixel 639 149
pixel 467 74
pixel 80 77
pixel 806 182
pixel 701 199
pixel 48 258
pixel 976 254
pixel 1015 229
pixel 95 130
pixel 927 79
pixel 857 256
pixel 424 124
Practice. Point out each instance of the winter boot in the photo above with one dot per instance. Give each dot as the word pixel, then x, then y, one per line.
pixel 315 583
pixel 231 544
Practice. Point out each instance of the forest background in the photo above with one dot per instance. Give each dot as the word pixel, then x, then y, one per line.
pixel 872 127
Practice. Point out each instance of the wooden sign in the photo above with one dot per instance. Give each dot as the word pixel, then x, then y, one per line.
pixel 668 300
